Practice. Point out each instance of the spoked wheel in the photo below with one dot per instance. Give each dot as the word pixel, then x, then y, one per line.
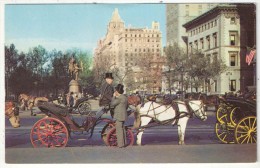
pixel 233 116
pixel 225 132
pixel 49 132
pixel 112 139
pixel 245 131
pixel 105 131
pixel 222 114
pixel 84 108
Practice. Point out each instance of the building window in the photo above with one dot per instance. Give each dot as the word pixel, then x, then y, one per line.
pixel 190 47
pixel 232 20
pixel 187 6
pixel 233 59
pixel 233 38
pixel 216 85
pixel 232 85
pixel 208 42
pixel 202 43
pixel 196 44
pixel 215 40
pixel 215 23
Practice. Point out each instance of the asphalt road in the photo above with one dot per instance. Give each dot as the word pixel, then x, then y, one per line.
pixel 160 145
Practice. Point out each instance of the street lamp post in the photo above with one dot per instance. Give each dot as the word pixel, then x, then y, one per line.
pixel 185 39
pixel 182 94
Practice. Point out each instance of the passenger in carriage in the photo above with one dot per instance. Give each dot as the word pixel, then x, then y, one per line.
pixel 119 103
pixel 106 92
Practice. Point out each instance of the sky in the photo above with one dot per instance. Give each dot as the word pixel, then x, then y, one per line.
pixel 67 26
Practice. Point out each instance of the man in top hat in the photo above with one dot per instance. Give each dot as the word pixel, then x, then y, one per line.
pixel 119 103
pixel 106 91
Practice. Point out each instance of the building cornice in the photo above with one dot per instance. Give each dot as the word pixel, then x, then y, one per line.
pixel 228 10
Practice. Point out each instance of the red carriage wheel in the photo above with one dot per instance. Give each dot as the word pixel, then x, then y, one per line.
pixel 105 131
pixel 49 132
pixel 112 139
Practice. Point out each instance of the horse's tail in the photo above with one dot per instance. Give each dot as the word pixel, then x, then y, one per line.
pixel 137 121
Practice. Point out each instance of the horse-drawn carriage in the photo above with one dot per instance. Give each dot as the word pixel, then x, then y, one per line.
pixel 55 129
pixel 236 121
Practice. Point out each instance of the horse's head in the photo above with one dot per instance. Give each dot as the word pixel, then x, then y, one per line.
pixel 197 107
pixel 134 100
pixel 12 112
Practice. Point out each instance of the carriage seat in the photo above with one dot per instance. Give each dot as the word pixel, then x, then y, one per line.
pixel 54 108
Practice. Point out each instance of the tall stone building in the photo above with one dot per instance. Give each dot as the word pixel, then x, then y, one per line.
pixel 179 14
pixel 129 50
pixel 225 32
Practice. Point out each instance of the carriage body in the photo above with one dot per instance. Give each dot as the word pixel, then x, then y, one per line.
pixel 236 121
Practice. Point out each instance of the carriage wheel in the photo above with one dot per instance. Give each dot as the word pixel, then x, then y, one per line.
pixel 222 114
pixel 105 131
pixel 49 132
pixel 233 116
pixel 245 131
pixel 225 132
pixel 112 139
pixel 84 108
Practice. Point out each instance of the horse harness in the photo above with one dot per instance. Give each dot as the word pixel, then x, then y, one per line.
pixel 178 114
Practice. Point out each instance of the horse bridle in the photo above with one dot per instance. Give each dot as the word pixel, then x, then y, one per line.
pixel 196 111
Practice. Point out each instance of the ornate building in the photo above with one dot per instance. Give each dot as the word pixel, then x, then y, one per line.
pixel 225 31
pixel 130 53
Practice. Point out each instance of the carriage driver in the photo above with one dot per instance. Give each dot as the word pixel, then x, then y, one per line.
pixel 119 103
pixel 107 91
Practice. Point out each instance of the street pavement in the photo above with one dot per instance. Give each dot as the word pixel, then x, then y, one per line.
pixel 160 145
pixel 204 153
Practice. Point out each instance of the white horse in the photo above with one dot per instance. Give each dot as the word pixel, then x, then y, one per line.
pixel 168 114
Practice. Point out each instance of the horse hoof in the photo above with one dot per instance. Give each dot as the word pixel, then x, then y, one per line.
pixel 181 143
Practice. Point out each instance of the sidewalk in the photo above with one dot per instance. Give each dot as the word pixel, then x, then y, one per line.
pixel 209 153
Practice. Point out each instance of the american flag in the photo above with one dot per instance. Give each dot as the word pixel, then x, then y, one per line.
pixel 250 55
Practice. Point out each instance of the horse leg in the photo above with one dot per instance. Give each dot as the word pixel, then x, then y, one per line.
pixel 31 109
pixel 181 129
pixel 144 121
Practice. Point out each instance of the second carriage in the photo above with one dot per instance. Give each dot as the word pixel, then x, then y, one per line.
pixel 236 121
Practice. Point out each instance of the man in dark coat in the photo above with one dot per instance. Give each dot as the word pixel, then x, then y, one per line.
pixel 119 103
pixel 106 91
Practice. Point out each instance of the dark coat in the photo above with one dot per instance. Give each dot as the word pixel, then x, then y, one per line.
pixel 120 105
pixel 106 92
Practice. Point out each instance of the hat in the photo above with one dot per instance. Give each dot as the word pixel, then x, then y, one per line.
pixel 120 88
pixel 109 75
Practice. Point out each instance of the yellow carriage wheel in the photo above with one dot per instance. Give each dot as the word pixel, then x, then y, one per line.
pixel 245 131
pixel 222 114
pixel 225 132
pixel 233 118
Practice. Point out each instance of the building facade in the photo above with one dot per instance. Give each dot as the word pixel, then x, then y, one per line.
pixel 224 32
pixel 179 14
pixel 122 50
